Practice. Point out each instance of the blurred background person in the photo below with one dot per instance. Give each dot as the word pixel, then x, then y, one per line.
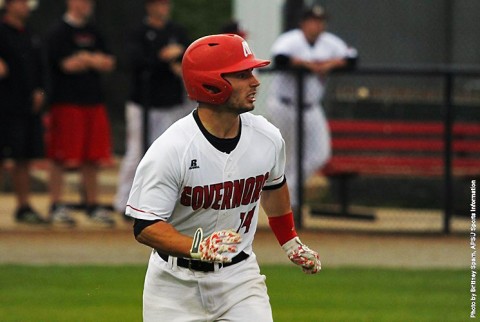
pixel 22 98
pixel 155 50
pixel 312 48
pixel 79 133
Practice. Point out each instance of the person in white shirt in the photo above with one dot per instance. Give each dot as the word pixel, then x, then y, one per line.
pixel 312 48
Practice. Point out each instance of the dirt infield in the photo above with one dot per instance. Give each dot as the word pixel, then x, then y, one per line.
pixel 88 244
pixel 118 247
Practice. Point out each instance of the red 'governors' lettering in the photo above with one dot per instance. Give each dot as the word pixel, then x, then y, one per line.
pixel 226 195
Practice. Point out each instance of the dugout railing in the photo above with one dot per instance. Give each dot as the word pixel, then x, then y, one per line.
pixel 454 86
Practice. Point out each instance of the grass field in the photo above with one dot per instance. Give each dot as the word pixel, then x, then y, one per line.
pixel 113 293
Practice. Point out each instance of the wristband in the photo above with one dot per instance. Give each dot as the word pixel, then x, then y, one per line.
pixel 283 227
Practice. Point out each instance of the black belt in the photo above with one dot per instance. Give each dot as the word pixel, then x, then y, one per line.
pixel 289 101
pixel 198 265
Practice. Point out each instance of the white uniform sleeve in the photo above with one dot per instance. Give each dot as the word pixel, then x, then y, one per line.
pixel 284 45
pixel 156 185
pixel 277 173
pixel 338 47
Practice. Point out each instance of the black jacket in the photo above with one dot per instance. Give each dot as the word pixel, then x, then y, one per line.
pixel 153 81
pixel 21 52
pixel 63 41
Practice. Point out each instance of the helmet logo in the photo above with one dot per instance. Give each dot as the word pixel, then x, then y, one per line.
pixel 246 49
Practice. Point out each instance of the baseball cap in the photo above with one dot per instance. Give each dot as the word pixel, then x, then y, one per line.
pixel 314 12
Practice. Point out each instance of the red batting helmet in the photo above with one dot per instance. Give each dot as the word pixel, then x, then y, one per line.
pixel 208 58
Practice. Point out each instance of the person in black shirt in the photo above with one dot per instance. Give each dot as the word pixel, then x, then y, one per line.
pixel 155 49
pixel 22 97
pixel 79 134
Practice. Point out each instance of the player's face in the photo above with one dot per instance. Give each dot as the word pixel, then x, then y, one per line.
pixel 244 85
pixel 20 9
pixel 312 28
pixel 81 8
pixel 159 9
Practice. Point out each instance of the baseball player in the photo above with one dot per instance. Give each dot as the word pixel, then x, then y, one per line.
pixel 312 48
pixel 197 193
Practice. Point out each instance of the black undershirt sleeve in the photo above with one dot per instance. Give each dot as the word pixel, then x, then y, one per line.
pixel 282 61
pixel 141 224
pixel 276 186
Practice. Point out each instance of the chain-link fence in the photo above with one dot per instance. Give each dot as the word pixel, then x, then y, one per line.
pixel 405 142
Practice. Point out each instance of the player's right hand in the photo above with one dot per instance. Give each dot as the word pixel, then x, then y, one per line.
pixel 212 248
pixel 171 52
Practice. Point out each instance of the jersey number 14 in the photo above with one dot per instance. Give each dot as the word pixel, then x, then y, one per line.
pixel 246 220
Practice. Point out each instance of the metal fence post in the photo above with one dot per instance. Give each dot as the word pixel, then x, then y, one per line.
pixel 146 78
pixel 448 132
pixel 300 74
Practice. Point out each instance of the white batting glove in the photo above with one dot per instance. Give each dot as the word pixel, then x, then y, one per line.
pixel 303 256
pixel 211 248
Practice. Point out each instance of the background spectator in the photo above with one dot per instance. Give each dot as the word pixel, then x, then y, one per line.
pixel 233 27
pixel 22 97
pixel 312 48
pixel 155 49
pixel 79 130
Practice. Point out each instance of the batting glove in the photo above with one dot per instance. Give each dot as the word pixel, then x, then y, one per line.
pixel 211 248
pixel 303 256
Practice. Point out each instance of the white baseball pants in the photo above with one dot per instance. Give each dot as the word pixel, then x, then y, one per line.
pixel 235 293
pixel 317 141
pixel 159 121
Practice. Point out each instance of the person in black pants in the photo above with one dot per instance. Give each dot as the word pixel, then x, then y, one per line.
pixel 22 97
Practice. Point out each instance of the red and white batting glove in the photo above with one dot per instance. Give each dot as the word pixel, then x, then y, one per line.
pixel 211 248
pixel 303 256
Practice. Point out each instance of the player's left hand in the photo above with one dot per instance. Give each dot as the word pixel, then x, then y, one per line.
pixel 171 52
pixel 212 248
pixel 303 256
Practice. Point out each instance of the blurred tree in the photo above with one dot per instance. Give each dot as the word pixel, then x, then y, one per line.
pixel 202 17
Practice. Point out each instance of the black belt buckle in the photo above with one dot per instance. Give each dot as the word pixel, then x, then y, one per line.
pixel 197 265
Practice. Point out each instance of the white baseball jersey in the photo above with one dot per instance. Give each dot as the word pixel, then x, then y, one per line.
pixel 294 44
pixel 188 183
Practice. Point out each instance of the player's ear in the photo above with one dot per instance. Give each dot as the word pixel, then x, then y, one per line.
pixel 211 89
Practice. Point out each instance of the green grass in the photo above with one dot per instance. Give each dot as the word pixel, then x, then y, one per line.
pixel 369 295
pixel 113 293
